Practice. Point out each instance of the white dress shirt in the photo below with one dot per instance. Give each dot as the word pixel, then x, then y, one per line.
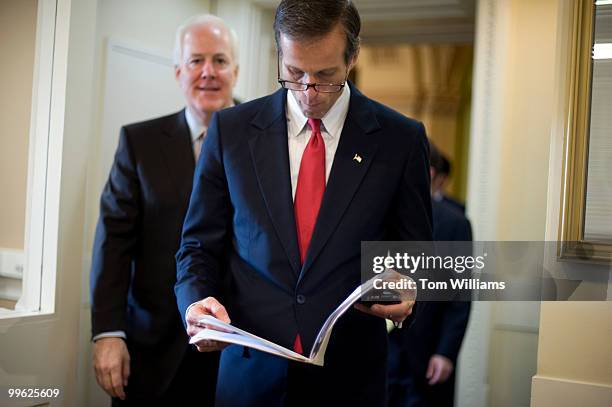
pixel 298 132
pixel 195 129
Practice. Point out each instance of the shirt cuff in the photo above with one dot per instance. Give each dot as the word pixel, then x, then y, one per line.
pixel 110 334
pixel 187 311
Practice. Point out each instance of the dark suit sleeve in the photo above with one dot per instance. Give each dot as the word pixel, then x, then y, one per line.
pixel 115 239
pixel 413 220
pixel 462 231
pixel 453 326
pixel 206 228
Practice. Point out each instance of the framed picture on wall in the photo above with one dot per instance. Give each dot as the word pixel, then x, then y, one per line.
pixel 586 203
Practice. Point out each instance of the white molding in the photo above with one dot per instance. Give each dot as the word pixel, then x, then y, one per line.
pixel 38 156
pixel 138 51
pixel 45 160
pixel 487 110
pixel 558 392
pixel 55 156
pixel 483 187
pixel 472 387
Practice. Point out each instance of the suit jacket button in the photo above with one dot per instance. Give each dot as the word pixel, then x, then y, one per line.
pixel 300 299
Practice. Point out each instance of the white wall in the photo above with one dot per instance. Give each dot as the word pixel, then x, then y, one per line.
pixel 507 184
pixel 253 26
pixel 514 189
pixel 575 348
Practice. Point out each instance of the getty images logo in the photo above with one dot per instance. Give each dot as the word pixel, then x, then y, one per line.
pixel 409 263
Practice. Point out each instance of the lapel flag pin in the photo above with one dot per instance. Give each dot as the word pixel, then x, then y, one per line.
pixel 357 158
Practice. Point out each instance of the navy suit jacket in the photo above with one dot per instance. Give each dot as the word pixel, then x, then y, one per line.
pixel 454 203
pixel 138 233
pixel 239 238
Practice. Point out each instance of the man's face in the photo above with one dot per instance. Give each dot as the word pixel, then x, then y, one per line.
pixel 437 180
pixel 315 61
pixel 207 72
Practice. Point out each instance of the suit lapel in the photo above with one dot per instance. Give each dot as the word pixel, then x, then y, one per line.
pixel 356 150
pixel 178 154
pixel 270 155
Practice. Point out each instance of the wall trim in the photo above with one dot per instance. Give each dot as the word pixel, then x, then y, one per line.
pixel 472 387
pixel 558 392
pixel 136 51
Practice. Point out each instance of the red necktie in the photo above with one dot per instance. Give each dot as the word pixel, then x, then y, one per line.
pixel 310 187
pixel 309 194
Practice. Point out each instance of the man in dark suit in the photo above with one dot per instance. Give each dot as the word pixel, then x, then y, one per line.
pixel 141 352
pixel 423 357
pixel 289 186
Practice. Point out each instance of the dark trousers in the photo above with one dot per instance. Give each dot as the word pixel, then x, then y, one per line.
pixel 407 385
pixel 193 384
pixel 309 386
pixel 249 378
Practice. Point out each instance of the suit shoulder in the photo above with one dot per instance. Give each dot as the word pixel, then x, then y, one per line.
pixel 447 211
pixel 404 133
pixel 146 126
pixel 244 112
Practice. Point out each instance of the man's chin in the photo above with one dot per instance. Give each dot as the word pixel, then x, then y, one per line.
pixel 312 114
pixel 211 106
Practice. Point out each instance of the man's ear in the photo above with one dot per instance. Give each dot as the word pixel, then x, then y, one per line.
pixel 177 71
pixel 236 71
pixel 353 60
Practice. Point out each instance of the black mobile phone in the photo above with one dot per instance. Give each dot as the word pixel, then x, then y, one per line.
pixel 370 303
pixel 383 297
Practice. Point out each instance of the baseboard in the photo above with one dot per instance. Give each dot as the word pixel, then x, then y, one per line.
pixel 557 392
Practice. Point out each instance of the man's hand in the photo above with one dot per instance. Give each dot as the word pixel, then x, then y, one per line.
pixel 394 312
pixel 195 312
pixel 439 369
pixel 111 362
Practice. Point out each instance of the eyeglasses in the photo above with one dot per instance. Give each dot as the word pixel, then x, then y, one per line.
pixel 318 87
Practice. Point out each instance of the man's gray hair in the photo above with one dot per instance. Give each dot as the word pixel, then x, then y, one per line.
pixel 198 21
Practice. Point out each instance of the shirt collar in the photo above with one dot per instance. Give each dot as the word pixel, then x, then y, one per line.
pixel 195 126
pixel 332 121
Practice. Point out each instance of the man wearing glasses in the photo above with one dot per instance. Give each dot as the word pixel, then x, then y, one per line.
pixel 289 186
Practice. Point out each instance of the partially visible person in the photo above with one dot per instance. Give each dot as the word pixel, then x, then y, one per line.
pixel 141 354
pixel 443 168
pixel 423 357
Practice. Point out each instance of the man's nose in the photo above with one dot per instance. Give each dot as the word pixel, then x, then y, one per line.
pixel 208 70
pixel 311 93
